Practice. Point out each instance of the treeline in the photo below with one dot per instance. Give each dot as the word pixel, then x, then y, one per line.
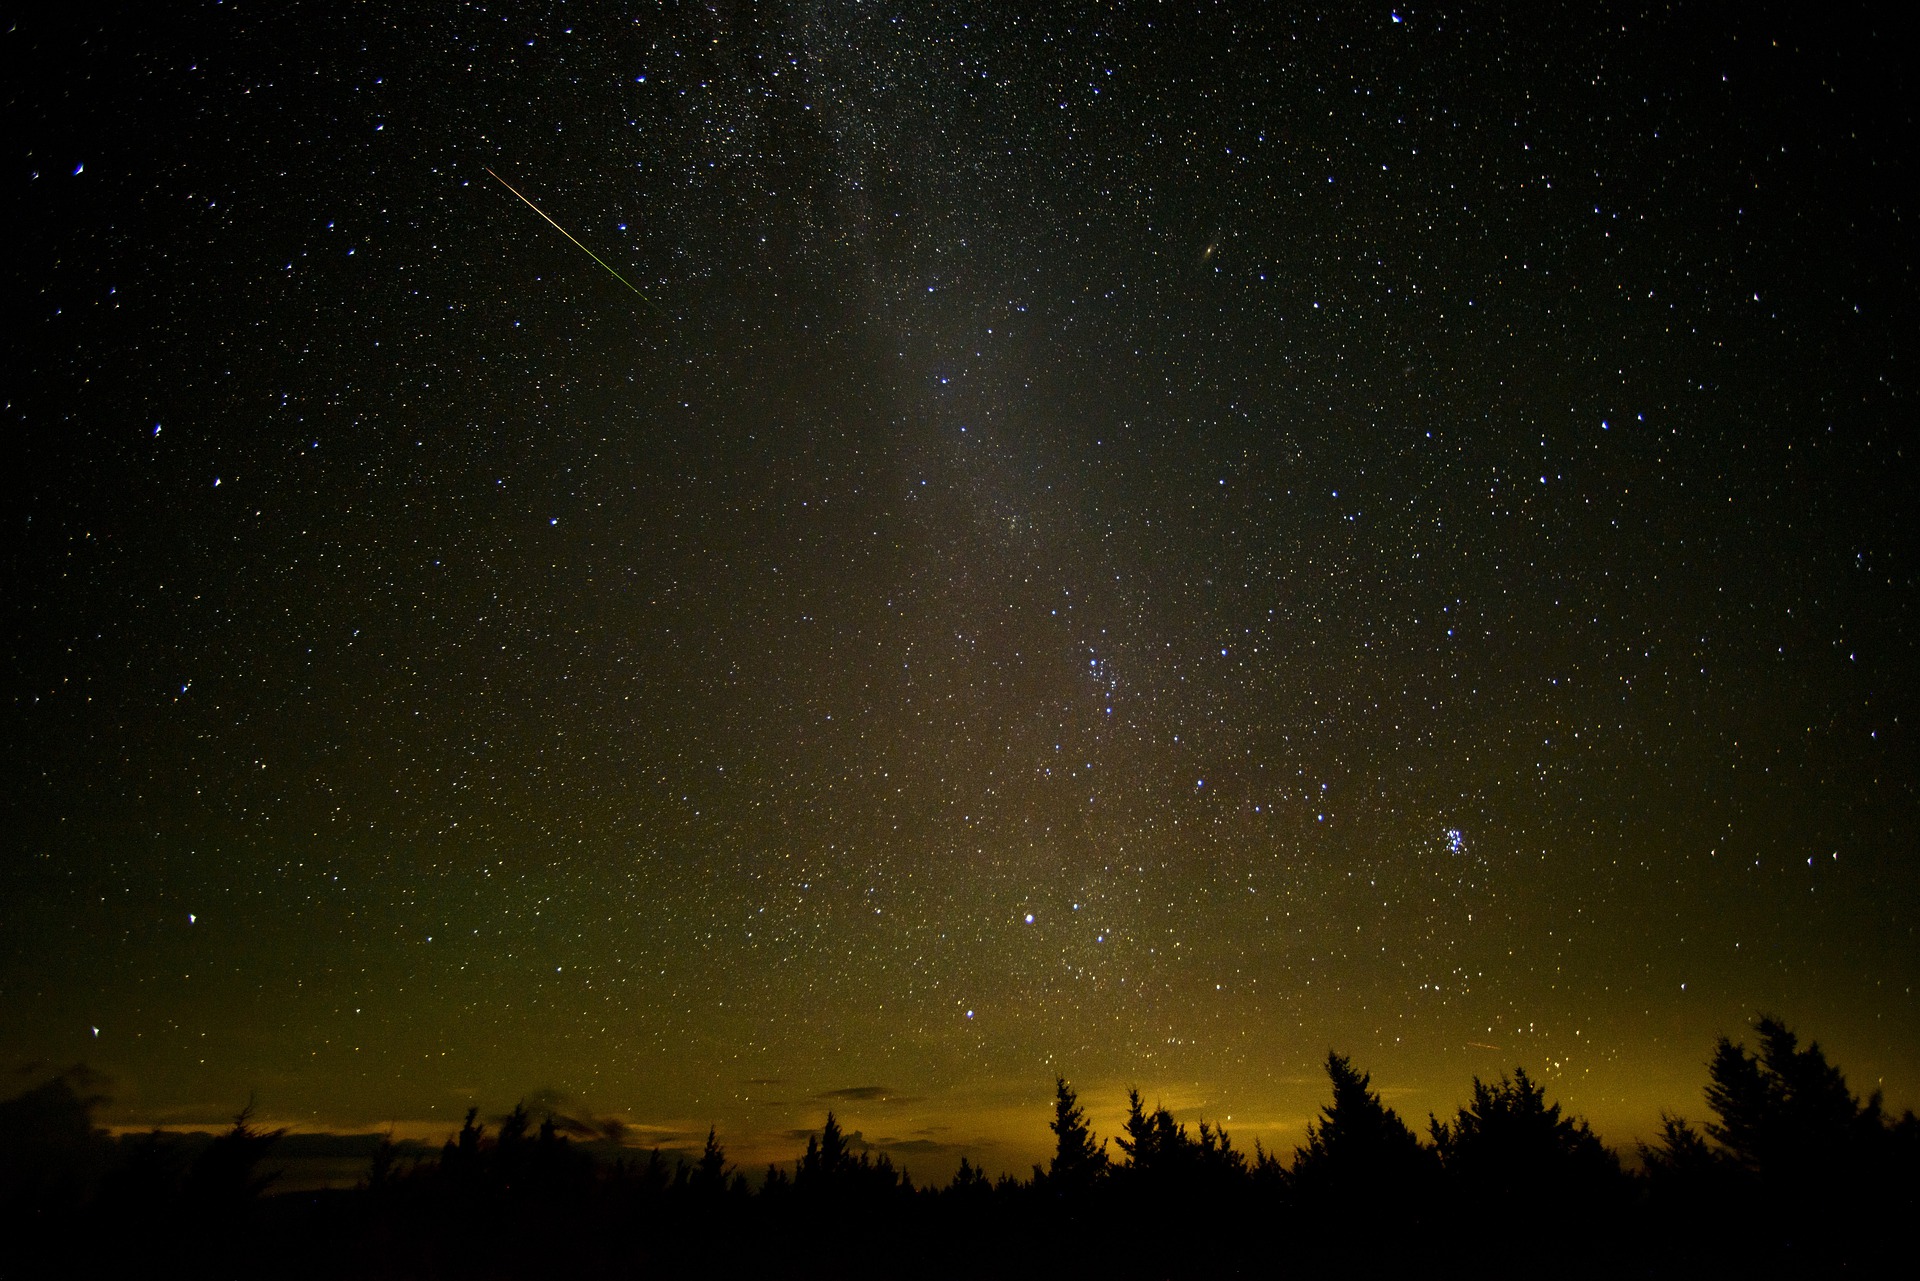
pixel 1790 1174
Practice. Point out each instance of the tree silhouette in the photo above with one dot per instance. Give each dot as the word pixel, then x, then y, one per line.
pixel 1784 1112
pixel 50 1150
pixel 776 1183
pixel 1269 1175
pixel 225 1177
pixel 1216 1158
pixel 380 1167
pixel 827 1161
pixel 710 1174
pixel 1156 1146
pixel 1510 1143
pixel 1681 1152
pixel 830 1170
pixel 1688 1182
pixel 1792 1165
pixel 969 1181
pixel 1077 1164
pixel 654 1177
pixel 511 1149
pixel 1359 1152
pixel 460 1158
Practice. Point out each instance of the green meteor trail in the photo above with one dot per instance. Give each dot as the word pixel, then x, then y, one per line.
pixel 569 235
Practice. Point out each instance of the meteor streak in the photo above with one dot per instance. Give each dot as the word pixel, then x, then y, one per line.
pixel 569 235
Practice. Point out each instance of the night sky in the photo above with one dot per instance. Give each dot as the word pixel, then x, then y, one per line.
pixel 1142 542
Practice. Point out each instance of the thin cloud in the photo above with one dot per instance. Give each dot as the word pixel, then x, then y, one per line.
pixel 919 1147
pixel 866 1094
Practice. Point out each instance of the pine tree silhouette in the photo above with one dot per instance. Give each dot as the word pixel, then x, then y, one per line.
pixel 1156 1146
pixel 654 1177
pixel 826 1161
pixel 225 1178
pixel 1785 1111
pixel 776 1184
pixel 1511 1143
pixel 710 1174
pixel 1077 1164
pixel 1218 1162
pixel 460 1158
pixel 1681 1152
pixel 1797 1172
pixel 381 1166
pixel 969 1181
pixel 1359 1152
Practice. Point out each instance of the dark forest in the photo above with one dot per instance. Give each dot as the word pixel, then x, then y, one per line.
pixel 1791 1174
